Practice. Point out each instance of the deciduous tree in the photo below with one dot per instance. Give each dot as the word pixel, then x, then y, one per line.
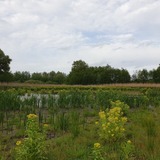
pixel 4 62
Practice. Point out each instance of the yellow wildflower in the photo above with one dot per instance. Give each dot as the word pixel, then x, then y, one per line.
pixel 96 122
pixel 31 116
pixel 18 143
pixel 122 129
pixel 129 142
pixel 116 118
pixel 117 128
pixel 124 119
pixel 110 119
pixel 97 145
pixel 102 115
pixel 45 125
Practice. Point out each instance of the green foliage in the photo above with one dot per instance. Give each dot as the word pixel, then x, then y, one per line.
pixel 73 111
pixel 33 147
pixel 124 107
pixel 156 75
pixel 111 124
pixel 149 124
pixel 111 130
pixel 21 76
pixel 127 150
pixel 141 76
pixel 34 81
pixel 74 124
pixel 52 77
pixel 4 62
pixel 81 73
pixel 97 152
pixel 62 121
pixel 78 73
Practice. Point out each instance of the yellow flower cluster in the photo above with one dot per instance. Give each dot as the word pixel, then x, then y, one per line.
pixel 18 143
pixel 102 115
pixel 129 142
pixel 124 107
pixel 96 122
pixel 111 124
pixel 124 119
pixel 45 125
pixel 31 116
pixel 97 145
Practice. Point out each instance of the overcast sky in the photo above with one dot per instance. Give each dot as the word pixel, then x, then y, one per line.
pixel 46 35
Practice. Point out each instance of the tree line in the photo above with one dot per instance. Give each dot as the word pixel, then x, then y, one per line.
pixel 81 73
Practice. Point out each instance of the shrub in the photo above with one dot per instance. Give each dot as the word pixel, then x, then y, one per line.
pixel 111 130
pixel 97 155
pixel 33 147
pixel 111 124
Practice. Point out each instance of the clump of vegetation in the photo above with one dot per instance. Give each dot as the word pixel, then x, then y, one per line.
pixel 33 146
pixel 123 106
pixel 72 112
pixel 97 152
pixel 111 130
pixel 111 124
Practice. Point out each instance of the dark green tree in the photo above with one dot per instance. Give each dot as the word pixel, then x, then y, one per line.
pixel 81 73
pixel 37 76
pixel 124 76
pixel 45 77
pixel 156 75
pixel 4 62
pixel 78 74
pixel 143 76
pixel 51 76
pixel 59 78
pixel 5 76
pixel 21 76
pixel 105 75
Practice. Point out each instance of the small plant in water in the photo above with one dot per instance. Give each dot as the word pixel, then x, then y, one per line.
pixel 33 147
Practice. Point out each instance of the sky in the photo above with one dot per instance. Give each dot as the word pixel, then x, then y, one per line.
pixel 49 35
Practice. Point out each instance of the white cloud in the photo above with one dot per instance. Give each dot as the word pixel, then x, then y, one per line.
pixel 44 35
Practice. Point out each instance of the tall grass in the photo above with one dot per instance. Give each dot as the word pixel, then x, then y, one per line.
pixel 72 113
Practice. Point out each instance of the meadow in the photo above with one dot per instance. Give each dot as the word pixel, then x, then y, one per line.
pixel 105 122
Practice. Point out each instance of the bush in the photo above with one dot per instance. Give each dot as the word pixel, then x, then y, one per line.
pixel 33 147
pixel 34 82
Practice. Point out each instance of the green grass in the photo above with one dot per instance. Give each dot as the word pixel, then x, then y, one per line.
pixel 143 128
pixel 73 131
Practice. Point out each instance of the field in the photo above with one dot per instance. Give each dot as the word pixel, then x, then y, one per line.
pixel 105 122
